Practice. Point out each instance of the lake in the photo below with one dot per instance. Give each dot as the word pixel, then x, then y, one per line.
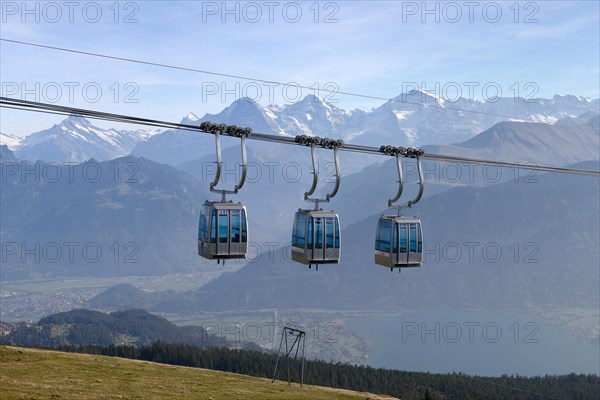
pixel 476 343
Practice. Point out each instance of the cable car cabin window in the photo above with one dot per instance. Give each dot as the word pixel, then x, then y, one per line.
pixel 213 227
pixel 420 239
pixel 403 238
pixel 318 233
pixel 309 239
pixel 337 234
pixel 223 226
pixel 235 226
pixel 299 230
pixel 244 229
pixel 329 232
pixel 395 240
pixel 384 233
pixel 413 238
pixel 203 227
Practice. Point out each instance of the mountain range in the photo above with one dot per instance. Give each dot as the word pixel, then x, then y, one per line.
pixel 415 118
pixel 75 140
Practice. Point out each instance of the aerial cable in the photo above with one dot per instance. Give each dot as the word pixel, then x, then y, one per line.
pixel 266 81
pixel 382 150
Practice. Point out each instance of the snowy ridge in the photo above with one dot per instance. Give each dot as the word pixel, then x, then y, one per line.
pixel 75 140
pixel 415 118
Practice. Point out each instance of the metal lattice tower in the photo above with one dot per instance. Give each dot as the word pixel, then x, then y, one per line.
pixel 299 340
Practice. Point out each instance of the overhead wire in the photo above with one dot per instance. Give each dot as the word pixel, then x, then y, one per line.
pixel 64 110
pixel 253 79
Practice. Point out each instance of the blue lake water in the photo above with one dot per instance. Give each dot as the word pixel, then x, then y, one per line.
pixel 474 343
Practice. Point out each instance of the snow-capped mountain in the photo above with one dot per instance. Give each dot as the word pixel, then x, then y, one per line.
pixel 11 141
pixel 314 116
pixel 247 112
pixel 419 118
pixel 310 116
pixel 190 119
pixel 411 119
pixel 415 118
pixel 75 139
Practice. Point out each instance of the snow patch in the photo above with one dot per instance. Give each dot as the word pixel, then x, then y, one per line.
pixel 402 115
pixel 411 135
pixel 546 119
pixel 270 114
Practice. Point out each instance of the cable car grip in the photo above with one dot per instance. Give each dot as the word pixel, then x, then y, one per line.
pixel 230 130
pixel 411 153
pixel 326 143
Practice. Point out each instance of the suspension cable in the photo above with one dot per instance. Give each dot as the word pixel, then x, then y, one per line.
pixel 382 150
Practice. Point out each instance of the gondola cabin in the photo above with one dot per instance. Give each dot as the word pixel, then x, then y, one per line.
pixel 223 231
pixel 316 237
pixel 399 242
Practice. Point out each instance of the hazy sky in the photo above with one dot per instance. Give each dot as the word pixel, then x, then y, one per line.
pixel 469 48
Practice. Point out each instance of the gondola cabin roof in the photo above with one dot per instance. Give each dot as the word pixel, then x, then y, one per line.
pixel 224 206
pixel 319 213
pixel 402 219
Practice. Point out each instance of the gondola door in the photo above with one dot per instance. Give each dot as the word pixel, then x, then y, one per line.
pixel 325 237
pixel 400 248
pixel 223 232
pixel 415 243
pixel 319 239
pixel 330 250
pixel 235 234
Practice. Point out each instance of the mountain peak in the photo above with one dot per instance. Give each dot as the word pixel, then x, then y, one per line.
pixel 313 98
pixel 246 100
pixel 76 139
pixel 424 96
pixel 313 103
pixel 316 101
pixel 190 119
pixel 242 106
pixel 77 120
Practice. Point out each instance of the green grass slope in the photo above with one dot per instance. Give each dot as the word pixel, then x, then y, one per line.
pixel 42 374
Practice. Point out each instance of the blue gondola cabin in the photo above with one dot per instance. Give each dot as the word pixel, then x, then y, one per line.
pixel 399 242
pixel 316 237
pixel 223 231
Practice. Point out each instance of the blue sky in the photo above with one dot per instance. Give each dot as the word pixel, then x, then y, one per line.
pixel 539 48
